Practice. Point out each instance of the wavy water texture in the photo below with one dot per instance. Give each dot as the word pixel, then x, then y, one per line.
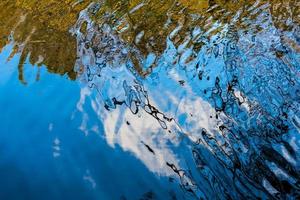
pixel 212 103
pixel 205 93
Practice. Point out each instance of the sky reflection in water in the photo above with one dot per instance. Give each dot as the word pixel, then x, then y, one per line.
pixel 206 109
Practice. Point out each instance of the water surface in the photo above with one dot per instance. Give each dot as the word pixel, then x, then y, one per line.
pixel 150 99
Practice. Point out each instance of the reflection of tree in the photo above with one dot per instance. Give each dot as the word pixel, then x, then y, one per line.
pixel 145 25
pixel 41 30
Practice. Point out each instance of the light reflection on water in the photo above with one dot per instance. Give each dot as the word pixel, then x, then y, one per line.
pixel 174 120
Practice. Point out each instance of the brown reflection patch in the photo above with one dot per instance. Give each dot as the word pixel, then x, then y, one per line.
pixel 41 27
pixel 41 31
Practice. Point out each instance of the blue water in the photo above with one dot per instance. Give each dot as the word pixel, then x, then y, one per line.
pixel 224 125
pixel 45 155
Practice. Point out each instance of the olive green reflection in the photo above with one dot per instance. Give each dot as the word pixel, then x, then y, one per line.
pixel 41 31
pixel 41 27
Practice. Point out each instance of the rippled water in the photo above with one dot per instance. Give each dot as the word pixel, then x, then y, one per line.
pixel 150 99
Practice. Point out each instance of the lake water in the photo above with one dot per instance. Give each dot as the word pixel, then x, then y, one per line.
pixel 149 99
